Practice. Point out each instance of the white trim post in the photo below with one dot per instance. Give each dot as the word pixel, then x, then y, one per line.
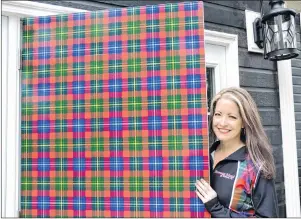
pixel 11 93
pixel 289 144
pixel 11 127
pixel 3 85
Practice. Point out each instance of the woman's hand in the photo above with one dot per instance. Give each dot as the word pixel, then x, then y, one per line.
pixel 204 191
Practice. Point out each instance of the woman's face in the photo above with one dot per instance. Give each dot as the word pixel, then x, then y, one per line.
pixel 227 122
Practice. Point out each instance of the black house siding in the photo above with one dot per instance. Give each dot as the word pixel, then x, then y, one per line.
pixel 257 75
pixel 296 72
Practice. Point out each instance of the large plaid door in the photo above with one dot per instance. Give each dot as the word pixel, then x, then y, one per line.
pixel 114 115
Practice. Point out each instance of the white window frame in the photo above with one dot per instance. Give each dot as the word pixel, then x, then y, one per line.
pixel 224 58
pixel 226 68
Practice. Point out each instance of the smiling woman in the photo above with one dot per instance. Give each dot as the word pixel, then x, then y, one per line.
pixel 242 168
pixel 227 123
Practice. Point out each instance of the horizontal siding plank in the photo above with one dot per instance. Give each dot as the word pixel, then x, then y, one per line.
pixel 241 5
pixel 296 80
pixel 250 78
pixel 297 98
pixel 296 89
pixel 298 116
pixel 298 125
pixel 296 71
pixel 254 60
pixel 280 174
pixel 269 118
pixel 226 16
pixel 280 195
pixel 242 35
pixel 282 210
pixel 299 157
pixel 274 136
pixel 298 134
pixel 265 98
pixel 297 107
pixel 297 18
pixel 299 163
pixel 296 63
pixel 299 143
pixel 278 154
pixel 131 3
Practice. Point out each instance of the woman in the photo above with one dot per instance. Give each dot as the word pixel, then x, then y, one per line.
pixel 242 168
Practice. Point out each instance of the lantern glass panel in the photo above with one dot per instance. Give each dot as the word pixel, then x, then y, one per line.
pixel 279 33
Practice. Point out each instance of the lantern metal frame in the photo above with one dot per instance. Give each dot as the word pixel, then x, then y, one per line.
pixel 264 35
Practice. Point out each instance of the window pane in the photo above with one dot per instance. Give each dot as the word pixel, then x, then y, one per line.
pixel 210 86
pixel 210 94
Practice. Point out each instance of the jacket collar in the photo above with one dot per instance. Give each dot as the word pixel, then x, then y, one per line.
pixel 238 155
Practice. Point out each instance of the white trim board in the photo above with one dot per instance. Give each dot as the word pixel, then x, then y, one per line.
pixel 30 9
pixel 11 124
pixel 10 90
pixel 250 18
pixel 289 143
pixel 4 49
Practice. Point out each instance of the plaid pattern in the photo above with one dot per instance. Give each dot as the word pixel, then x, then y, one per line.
pixel 246 179
pixel 114 113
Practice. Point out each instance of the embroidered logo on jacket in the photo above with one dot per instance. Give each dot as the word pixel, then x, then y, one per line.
pixel 224 175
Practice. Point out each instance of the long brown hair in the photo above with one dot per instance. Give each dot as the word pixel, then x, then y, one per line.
pixel 253 136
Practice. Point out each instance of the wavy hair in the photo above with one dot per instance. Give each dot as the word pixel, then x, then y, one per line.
pixel 253 136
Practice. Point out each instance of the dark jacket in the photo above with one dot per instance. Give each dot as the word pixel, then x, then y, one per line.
pixel 241 189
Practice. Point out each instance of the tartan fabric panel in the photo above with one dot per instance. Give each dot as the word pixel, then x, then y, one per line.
pixel 114 113
pixel 246 178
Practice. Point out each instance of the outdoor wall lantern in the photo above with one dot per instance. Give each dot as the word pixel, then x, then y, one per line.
pixel 275 32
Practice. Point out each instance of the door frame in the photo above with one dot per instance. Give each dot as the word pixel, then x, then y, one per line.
pixel 11 97
pixel 11 112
